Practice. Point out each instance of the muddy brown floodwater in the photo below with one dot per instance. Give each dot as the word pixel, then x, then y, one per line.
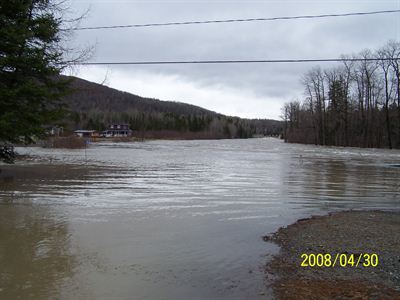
pixel 171 219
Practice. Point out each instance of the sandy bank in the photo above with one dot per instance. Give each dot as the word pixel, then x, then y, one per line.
pixel 347 233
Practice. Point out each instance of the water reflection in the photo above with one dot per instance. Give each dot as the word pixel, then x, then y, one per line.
pixel 35 256
pixel 332 179
pixel 46 183
pixel 172 219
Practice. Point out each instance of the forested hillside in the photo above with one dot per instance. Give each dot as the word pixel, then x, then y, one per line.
pixel 94 106
pixel 354 104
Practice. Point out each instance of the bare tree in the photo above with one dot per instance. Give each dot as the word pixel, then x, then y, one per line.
pixel 355 104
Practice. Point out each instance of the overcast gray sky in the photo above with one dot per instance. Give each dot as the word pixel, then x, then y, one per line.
pixel 245 90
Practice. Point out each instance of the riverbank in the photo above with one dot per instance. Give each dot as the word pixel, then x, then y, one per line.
pixel 74 142
pixel 343 233
pixel 70 218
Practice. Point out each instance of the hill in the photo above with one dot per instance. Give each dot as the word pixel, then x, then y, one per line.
pixel 103 98
pixel 94 106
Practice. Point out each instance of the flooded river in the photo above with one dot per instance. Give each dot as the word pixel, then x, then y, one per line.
pixel 171 219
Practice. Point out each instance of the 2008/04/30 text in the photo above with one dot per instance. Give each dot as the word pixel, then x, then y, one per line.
pixel 339 260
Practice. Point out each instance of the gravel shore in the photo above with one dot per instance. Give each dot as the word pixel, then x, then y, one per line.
pixel 350 232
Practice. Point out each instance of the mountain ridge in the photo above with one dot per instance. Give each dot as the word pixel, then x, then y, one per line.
pixel 83 84
pixel 95 106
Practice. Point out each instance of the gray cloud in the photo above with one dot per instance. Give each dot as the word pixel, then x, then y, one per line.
pixel 318 38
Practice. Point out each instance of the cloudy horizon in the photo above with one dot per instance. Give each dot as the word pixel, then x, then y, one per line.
pixel 244 90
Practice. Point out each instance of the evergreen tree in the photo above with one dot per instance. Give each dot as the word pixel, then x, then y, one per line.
pixel 31 58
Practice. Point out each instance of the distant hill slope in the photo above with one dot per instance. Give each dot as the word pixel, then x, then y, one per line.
pixel 89 95
pixel 94 106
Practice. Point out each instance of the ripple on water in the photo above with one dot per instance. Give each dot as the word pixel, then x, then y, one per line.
pixel 181 218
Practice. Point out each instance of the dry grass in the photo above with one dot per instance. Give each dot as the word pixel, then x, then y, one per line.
pixel 69 142
pixel 177 135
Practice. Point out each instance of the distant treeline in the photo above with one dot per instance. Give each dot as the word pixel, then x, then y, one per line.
pixel 216 126
pixel 95 107
pixel 355 104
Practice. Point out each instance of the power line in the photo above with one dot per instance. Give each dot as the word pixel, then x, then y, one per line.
pixel 235 61
pixel 240 20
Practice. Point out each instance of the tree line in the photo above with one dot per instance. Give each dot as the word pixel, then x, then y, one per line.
pixel 35 96
pixel 94 106
pixel 354 104
pixel 166 124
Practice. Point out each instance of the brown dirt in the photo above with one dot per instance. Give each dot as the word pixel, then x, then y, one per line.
pixel 351 232
pixel 69 142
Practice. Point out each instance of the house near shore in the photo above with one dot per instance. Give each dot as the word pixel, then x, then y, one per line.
pixel 118 130
pixel 87 133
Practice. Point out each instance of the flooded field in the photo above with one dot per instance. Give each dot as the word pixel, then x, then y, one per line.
pixel 171 219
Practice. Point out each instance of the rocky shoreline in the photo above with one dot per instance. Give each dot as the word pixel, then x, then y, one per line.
pixel 346 236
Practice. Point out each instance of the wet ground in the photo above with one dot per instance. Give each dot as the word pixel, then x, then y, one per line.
pixel 363 259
